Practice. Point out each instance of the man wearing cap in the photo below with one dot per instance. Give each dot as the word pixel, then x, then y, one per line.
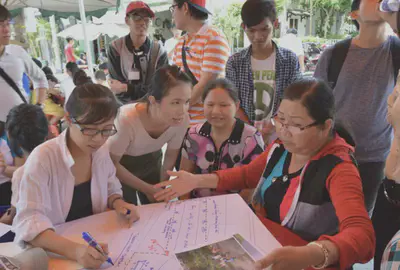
pixel 133 59
pixel 367 75
pixel 202 52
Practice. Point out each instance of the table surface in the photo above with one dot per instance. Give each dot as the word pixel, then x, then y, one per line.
pixel 284 236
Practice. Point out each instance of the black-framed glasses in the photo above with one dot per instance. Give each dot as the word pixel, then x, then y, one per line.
pixel 292 129
pixel 172 8
pixel 137 17
pixel 91 132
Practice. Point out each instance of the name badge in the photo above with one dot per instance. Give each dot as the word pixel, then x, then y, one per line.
pixel 134 75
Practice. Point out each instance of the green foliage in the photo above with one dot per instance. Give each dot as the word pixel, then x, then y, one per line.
pixel 327 9
pixel 279 5
pixel 33 37
pixel 229 21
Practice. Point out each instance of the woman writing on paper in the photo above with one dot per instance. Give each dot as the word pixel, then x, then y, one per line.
pixel 71 177
pixel 145 127
pixel 223 141
pixel 306 181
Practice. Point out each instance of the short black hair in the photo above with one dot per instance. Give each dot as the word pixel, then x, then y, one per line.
pixel 225 84
pixel 27 127
pixel 194 12
pixel 255 11
pixel 92 104
pixel 355 5
pixel 4 14
pixel 100 75
pixel 69 39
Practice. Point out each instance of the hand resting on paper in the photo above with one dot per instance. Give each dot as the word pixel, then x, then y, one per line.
pixel 291 258
pixel 89 257
pixel 183 184
pixel 122 208
pixel 150 194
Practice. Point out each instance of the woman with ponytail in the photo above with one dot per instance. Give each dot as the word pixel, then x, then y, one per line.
pixel 67 85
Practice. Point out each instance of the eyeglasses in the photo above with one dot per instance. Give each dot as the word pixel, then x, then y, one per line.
pixel 172 8
pixel 137 17
pixel 5 23
pixel 91 132
pixel 290 128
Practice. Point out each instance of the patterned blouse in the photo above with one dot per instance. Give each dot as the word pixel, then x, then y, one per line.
pixel 244 145
pixel 391 256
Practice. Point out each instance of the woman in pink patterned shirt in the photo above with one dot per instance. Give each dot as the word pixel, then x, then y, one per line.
pixel 223 141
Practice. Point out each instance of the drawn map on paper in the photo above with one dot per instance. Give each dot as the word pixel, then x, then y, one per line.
pixel 166 229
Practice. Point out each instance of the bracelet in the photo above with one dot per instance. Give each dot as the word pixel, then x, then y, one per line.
pixel 392 191
pixel 325 264
pixel 111 205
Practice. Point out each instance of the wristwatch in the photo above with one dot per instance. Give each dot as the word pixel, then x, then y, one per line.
pixel 392 191
pixel 40 105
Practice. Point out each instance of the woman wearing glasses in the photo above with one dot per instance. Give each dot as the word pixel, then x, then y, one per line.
pixel 306 181
pixel 71 177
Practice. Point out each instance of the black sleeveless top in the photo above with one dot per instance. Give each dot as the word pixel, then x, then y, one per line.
pixel 274 195
pixel 81 205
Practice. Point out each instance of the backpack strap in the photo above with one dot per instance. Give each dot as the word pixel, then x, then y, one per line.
pixel 186 66
pixel 118 44
pixel 339 54
pixel 154 56
pixel 395 51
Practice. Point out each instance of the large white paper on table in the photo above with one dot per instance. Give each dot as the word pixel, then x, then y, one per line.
pixel 165 229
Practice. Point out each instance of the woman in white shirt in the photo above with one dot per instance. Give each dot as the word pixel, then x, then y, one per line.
pixel 67 85
pixel 71 177
pixel 145 127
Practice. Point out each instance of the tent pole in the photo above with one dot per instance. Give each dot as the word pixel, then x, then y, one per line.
pixel 55 45
pixel 87 44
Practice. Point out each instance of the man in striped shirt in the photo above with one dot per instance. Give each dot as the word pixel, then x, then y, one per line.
pixel 205 47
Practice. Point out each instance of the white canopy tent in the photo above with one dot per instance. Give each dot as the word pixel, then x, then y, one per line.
pixel 94 30
pixel 65 8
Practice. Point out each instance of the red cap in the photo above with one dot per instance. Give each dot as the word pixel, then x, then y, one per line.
pixel 137 5
pixel 200 5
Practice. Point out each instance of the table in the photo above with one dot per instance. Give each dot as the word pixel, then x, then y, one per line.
pixel 224 216
pixel 167 228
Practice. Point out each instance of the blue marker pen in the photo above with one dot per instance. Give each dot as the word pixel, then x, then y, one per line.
pixel 90 240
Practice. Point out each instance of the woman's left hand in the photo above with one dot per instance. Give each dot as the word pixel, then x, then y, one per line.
pixel 129 211
pixel 290 258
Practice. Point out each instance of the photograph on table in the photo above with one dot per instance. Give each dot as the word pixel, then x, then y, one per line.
pixel 226 254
